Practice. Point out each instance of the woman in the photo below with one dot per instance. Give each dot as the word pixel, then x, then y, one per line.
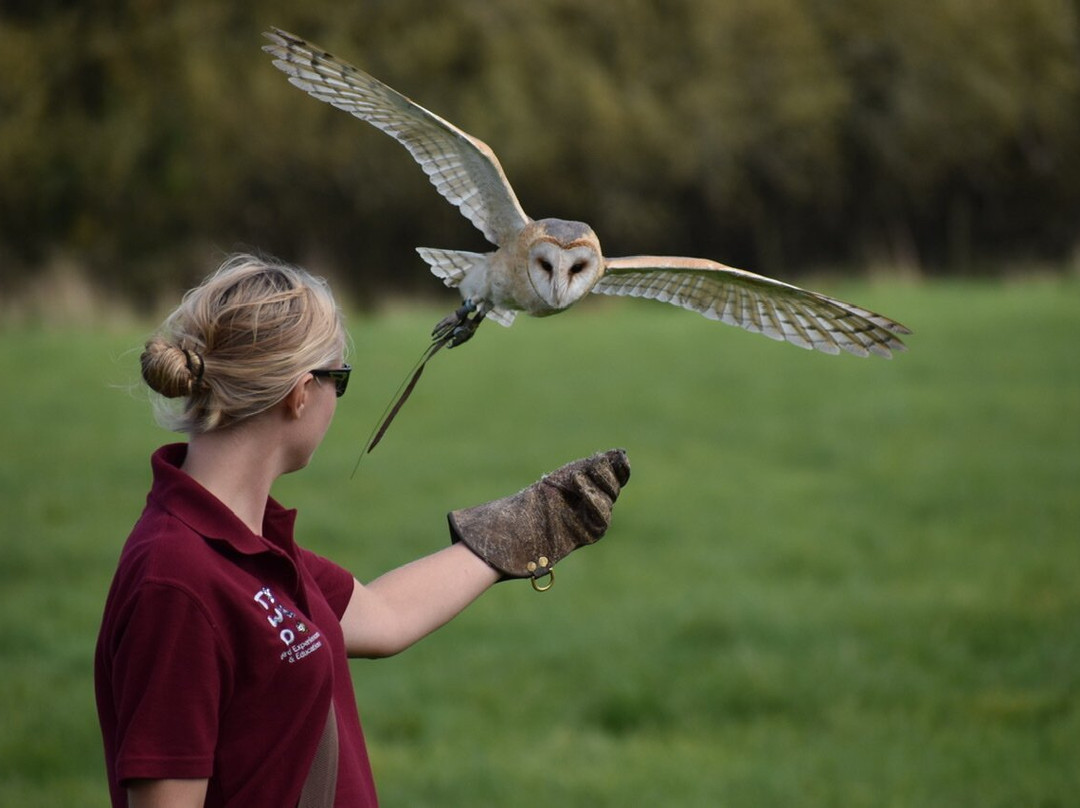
pixel 221 667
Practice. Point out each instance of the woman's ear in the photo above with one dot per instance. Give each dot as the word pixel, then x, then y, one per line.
pixel 296 399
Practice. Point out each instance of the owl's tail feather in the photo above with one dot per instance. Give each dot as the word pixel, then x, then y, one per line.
pixel 451 265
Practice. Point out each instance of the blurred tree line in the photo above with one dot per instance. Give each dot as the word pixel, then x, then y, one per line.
pixel 777 135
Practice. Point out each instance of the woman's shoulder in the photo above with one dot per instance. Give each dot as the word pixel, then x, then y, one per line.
pixel 162 547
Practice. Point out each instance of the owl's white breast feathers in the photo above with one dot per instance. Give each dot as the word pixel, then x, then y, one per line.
pixel 755 303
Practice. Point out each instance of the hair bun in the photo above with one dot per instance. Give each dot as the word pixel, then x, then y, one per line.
pixel 170 370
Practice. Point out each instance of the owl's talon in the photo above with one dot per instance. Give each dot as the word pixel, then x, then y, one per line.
pixel 461 334
pixel 451 323
pixel 457 328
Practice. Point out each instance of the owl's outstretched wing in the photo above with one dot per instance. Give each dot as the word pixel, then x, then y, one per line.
pixel 759 304
pixel 463 169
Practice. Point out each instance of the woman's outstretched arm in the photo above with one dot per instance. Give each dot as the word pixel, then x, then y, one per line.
pixel 387 615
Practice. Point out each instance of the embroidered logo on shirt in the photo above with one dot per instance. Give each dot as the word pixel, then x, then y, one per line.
pixel 283 619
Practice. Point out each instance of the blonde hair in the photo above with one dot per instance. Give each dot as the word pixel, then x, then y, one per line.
pixel 237 343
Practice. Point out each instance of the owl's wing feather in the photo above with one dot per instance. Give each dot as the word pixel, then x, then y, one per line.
pixel 462 168
pixel 753 302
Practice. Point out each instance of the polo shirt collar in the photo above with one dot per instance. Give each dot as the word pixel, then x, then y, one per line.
pixel 179 494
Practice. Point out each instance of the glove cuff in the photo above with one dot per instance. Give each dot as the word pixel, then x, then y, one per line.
pixel 493 549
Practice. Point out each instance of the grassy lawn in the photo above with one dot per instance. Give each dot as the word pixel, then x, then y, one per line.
pixel 830 581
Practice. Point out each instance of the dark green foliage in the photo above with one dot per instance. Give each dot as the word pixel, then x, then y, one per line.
pixel 777 135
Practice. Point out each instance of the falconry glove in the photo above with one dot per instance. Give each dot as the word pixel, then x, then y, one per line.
pixel 525 535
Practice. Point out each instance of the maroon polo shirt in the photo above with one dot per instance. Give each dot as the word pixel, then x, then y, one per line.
pixel 220 651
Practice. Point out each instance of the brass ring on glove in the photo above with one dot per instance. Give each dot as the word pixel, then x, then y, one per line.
pixel 532 567
pixel 550 583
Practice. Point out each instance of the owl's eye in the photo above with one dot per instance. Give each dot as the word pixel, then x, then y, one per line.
pixel 577 267
pixel 545 265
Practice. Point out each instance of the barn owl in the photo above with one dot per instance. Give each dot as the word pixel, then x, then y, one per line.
pixel 544 266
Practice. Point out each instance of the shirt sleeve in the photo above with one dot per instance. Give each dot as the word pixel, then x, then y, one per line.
pixel 170 676
pixel 335 582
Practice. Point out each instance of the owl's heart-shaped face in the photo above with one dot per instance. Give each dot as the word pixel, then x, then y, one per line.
pixel 562 260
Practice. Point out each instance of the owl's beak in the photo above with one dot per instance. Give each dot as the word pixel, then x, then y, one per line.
pixel 561 289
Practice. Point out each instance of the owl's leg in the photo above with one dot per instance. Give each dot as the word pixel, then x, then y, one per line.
pixel 459 327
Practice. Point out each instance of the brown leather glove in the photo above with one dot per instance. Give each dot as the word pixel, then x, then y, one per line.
pixel 525 535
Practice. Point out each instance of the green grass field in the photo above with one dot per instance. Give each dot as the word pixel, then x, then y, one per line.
pixel 830 581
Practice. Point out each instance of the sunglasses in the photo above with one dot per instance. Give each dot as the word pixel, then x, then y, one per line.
pixel 339 375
